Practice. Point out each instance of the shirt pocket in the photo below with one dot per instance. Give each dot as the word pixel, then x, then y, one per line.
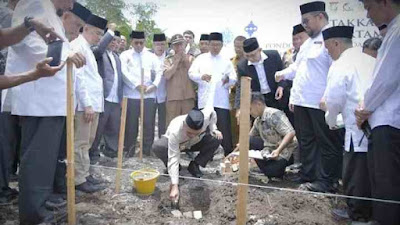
pixel 315 51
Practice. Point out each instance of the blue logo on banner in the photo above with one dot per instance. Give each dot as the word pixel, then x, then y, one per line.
pixel 251 28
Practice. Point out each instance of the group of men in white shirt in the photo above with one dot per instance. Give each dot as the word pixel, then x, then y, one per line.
pixel 331 77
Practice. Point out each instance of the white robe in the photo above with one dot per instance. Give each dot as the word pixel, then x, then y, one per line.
pixel 213 93
pixel 349 78
pixel 46 96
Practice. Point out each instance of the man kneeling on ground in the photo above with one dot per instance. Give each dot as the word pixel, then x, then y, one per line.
pixel 194 132
pixel 273 135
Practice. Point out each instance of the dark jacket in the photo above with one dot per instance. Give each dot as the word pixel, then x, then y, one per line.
pixel 105 67
pixel 271 65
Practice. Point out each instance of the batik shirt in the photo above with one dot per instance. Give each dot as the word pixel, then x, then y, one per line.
pixel 272 127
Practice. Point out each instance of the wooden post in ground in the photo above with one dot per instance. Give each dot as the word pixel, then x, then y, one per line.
pixel 121 144
pixel 70 147
pixel 241 209
pixel 141 114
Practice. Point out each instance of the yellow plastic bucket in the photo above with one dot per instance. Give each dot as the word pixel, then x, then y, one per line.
pixel 145 180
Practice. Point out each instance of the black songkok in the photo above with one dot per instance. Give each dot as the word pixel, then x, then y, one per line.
pixel 215 37
pixel 250 45
pixel 338 32
pixel 137 34
pixel 195 119
pixel 312 7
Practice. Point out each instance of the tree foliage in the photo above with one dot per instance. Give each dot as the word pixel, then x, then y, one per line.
pixel 144 14
pixel 140 14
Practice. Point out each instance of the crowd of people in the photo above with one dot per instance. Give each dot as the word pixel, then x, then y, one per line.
pixel 325 107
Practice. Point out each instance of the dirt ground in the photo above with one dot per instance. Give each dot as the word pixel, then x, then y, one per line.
pixel 217 201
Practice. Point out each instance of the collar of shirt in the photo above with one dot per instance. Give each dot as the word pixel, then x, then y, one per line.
pixel 395 21
pixel 162 57
pixel 263 58
pixel 264 115
pixel 138 53
pixel 320 37
pixel 53 7
pixel 214 57
pixel 84 41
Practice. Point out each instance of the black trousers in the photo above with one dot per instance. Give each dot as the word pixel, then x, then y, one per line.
pixel 10 141
pixel 270 100
pixel 356 183
pixel 224 125
pixel 384 168
pixel 284 102
pixel 271 168
pixel 41 138
pixel 60 179
pixel 132 125
pixel 321 149
pixel 108 128
pixel 206 148
pixel 162 118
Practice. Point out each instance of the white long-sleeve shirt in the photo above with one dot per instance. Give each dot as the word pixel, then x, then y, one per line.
pixel 46 96
pixel 130 65
pixel 162 87
pixel 349 78
pixel 179 141
pixel 259 66
pixel 310 73
pixel 383 97
pixel 213 93
pixel 113 96
pixel 89 84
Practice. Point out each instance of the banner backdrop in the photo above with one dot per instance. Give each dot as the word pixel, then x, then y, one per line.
pixel 271 21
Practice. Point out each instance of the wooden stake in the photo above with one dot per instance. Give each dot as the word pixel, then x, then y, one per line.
pixel 241 209
pixel 141 114
pixel 70 147
pixel 121 145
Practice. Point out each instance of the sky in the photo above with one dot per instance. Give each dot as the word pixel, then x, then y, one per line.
pixel 274 18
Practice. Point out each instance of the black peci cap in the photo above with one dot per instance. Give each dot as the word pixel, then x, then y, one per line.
pixel 159 37
pixel 215 37
pixel 137 35
pixel 317 6
pixel 205 37
pixel 195 119
pixel 80 11
pixel 97 21
pixel 338 32
pixel 298 29
pixel 250 45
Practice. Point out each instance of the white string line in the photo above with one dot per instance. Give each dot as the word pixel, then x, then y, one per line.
pixel 266 187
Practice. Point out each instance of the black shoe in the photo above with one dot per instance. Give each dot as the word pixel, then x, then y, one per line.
pixel 55 202
pixel 315 187
pixel 190 155
pixel 10 192
pixel 13 177
pixel 55 217
pixel 194 169
pixel 340 214
pixel 130 154
pixel 6 200
pixel 94 181
pixel 88 187
pixel 297 179
pixel 109 153
pixel 94 160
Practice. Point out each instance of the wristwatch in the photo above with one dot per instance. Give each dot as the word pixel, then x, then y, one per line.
pixel 28 25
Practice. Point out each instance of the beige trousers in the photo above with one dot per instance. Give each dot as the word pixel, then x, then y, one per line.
pixel 84 137
pixel 178 108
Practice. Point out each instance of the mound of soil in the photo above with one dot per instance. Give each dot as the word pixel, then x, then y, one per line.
pixel 216 200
